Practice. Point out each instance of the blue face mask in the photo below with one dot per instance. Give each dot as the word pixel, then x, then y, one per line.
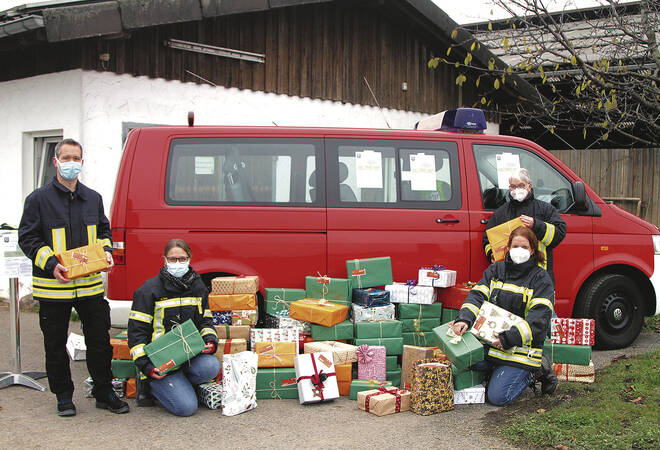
pixel 69 170
pixel 177 269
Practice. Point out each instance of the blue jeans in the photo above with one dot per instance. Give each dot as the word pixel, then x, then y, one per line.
pixel 506 382
pixel 176 392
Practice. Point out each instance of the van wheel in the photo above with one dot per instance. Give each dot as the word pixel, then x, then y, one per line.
pixel 615 303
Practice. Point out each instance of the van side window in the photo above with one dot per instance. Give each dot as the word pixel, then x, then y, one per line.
pixel 252 171
pixel 367 174
pixel 425 175
pixel 494 163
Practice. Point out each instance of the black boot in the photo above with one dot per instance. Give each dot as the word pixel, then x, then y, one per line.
pixel 143 393
pixel 546 375
pixel 112 403
pixel 66 408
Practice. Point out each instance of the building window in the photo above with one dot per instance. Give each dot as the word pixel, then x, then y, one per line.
pixel 44 150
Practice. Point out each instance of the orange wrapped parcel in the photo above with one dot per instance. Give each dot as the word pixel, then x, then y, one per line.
pixel 498 237
pixel 276 354
pixel 83 261
pixel 320 312
pixel 232 302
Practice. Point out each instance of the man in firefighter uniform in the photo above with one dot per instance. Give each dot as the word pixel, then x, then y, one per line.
pixel 65 214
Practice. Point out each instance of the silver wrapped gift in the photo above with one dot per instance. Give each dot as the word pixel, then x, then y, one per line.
pixel 375 313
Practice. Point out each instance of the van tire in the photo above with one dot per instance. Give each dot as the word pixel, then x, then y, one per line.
pixel 615 303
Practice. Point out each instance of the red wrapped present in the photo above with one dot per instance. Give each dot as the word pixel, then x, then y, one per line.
pixel 453 297
pixel 573 331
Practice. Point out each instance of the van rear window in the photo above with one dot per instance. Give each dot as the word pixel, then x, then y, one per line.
pixel 245 171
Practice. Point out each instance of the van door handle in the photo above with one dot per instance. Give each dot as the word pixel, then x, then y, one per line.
pixel 483 221
pixel 447 220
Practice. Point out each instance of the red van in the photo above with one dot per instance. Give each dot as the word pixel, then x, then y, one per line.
pixel 284 203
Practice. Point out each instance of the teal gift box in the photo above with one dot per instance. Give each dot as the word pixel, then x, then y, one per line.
pixel 276 382
pixel 466 378
pixel 420 325
pixel 449 315
pixel 463 351
pixel 380 329
pixel 567 353
pixel 394 377
pixel 414 311
pixel 420 339
pixel 337 290
pixel 124 368
pixel 369 272
pixel 365 385
pixel 177 346
pixel 393 346
pixel 343 330
pixel 279 299
pixel 392 362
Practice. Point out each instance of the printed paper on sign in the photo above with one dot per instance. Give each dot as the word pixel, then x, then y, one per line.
pixel 369 169
pixel 204 165
pixel 422 168
pixel 507 165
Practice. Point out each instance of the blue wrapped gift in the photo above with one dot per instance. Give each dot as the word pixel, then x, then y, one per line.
pixel 371 297
pixel 221 317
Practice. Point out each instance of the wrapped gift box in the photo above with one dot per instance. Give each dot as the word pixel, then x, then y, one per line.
pixel 83 261
pixel 432 390
pixel 120 349
pixel 337 290
pixel 276 383
pixel 380 329
pixel 421 339
pixel 231 302
pixel 575 372
pixel 369 272
pixel 363 314
pixel 221 317
pixel 319 312
pixel 410 311
pixel 567 354
pixel 315 374
pixel 239 383
pixel 394 346
pixel 75 346
pixel 305 328
pixel 453 297
pixel 130 388
pixel 235 285
pixel 392 362
pixel 341 353
pixel 449 315
pixel 344 388
pixel 276 354
pixel 177 346
pixel 233 331
pixel 229 346
pixel 279 299
pixel 411 293
pixel 343 330
pixel 436 276
pixel 383 401
pixel 210 395
pixel 122 368
pixel 573 331
pixel 419 325
pixel 274 335
pixel 498 237
pixel 493 320
pixel 411 356
pixel 344 372
pixel 466 378
pixel 371 362
pixel 358 386
pixel 463 351
pixel 470 396
pixel 370 297
pixel 394 377
pixel 122 335
pixel 244 317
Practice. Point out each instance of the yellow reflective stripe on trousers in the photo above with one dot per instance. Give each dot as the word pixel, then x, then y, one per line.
pixel 206 331
pixel 140 316
pixel 42 256
pixel 519 356
pixel 549 234
pixel 137 351
pixel 59 240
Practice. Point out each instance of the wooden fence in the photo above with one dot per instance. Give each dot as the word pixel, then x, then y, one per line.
pixel 631 177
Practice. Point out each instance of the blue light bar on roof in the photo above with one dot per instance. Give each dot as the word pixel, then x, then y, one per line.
pixel 471 120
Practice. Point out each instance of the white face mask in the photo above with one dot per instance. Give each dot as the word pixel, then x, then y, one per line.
pixel 519 194
pixel 177 269
pixel 519 255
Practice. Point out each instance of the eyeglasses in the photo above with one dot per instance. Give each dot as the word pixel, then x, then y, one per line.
pixel 174 259
pixel 518 186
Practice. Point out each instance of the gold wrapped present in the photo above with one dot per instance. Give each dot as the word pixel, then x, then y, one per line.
pixel 341 353
pixel 498 237
pixel 384 401
pixel 320 312
pixel 83 261
pixel 432 390
pixel 344 373
pixel 235 285
pixel 276 354
pixel 575 372
pixel 230 302
pixel 120 349
pixel 229 346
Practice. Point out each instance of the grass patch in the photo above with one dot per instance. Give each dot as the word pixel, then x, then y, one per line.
pixel 652 324
pixel 620 410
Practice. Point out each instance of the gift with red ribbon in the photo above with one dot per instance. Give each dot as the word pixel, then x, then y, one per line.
pixel 372 363
pixel 384 400
pixel 316 377
pixel 573 331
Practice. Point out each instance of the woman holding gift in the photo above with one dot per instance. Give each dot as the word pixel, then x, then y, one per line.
pixel 174 296
pixel 521 287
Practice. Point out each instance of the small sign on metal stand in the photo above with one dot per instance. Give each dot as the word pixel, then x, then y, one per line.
pixel 14 264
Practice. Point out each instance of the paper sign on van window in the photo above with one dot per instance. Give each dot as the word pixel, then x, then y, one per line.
pixel 422 168
pixel 507 165
pixel 369 169
pixel 204 165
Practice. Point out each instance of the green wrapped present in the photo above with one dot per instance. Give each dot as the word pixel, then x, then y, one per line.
pixel 369 272
pixel 414 311
pixel 449 315
pixel 420 325
pixel 122 335
pixel 380 329
pixel 365 385
pixel 177 346
pixel 463 351
pixel 567 353
pixel 279 299
pixel 394 377
pixel 392 362
pixel 331 289
pixel 421 339
pixel 343 330
pixel 393 346
pixel 123 368
pixel 277 382
pixel 466 378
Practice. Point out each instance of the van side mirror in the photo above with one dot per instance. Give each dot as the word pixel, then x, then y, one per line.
pixel 579 196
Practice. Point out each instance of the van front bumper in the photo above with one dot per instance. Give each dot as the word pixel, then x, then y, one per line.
pixel 119 311
pixel 655 282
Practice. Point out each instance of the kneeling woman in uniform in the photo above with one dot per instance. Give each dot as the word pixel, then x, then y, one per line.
pixel 520 286
pixel 174 296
